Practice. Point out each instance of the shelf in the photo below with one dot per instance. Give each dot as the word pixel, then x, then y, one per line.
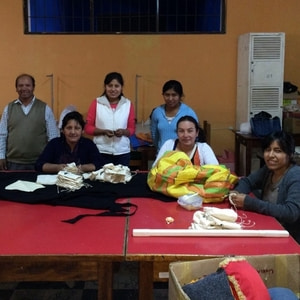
pixel 291 96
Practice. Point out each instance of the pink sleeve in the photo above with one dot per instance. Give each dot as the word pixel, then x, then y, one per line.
pixel 91 118
pixel 131 120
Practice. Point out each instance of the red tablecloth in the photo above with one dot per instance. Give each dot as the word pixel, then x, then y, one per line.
pixel 37 229
pixel 152 214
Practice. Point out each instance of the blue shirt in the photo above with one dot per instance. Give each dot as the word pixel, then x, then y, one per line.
pixel 162 129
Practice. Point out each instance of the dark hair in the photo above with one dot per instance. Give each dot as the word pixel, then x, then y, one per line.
pixel 284 140
pixel 110 77
pixel 73 115
pixel 201 135
pixel 25 75
pixel 174 85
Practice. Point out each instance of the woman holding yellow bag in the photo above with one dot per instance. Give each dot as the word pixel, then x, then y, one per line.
pixel 188 165
pixel 174 175
pixel 191 141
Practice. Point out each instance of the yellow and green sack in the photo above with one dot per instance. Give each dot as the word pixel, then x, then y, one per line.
pixel 174 175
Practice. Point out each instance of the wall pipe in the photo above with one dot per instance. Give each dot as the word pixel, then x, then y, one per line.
pixel 136 95
pixel 51 90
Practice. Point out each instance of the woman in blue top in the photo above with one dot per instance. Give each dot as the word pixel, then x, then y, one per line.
pixel 276 185
pixel 70 147
pixel 165 117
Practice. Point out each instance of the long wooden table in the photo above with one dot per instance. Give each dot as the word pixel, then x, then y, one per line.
pixel 155 253
pixel 36 246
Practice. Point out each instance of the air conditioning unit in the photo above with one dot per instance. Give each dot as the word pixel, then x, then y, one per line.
pixel 259 75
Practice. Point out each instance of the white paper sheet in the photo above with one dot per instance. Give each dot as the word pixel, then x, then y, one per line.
pixel 47 179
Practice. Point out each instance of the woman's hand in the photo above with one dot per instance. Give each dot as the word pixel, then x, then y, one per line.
pixel 61 167
pixel 108 132
pixel 237 199
pixel 120 132
pixel 86 168
pixel 53 168
pixel 3 165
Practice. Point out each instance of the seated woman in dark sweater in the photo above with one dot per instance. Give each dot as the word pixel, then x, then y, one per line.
pixel 276 185
pixel 70 147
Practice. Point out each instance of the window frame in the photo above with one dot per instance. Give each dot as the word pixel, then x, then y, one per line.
pixel 220 23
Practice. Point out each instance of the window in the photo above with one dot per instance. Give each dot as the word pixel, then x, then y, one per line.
pixel 124 16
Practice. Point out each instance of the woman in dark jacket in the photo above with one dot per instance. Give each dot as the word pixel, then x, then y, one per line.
pixel 276 185
pixel 70 147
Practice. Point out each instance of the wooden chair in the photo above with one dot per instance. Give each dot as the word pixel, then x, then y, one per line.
pixel 140 157
pixel 207 131
pixel 136 162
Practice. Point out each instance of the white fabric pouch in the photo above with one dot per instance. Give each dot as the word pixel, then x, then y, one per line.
pixel 24 186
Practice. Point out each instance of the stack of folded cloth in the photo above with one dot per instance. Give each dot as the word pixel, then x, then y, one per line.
pixel 111 173
pixel 69 180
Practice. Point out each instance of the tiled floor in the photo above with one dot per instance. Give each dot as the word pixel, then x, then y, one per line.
pixel 125 288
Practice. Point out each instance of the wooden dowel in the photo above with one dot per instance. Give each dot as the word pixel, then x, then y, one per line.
pixel 210 232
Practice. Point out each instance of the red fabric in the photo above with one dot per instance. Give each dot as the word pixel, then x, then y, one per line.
pixel 244 280
pixel 196 159
pixel 27 229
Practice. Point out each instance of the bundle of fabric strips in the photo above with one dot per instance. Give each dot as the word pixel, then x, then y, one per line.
pixel 111 173
pixel 69 180
pixel 72 168
pixel 215 218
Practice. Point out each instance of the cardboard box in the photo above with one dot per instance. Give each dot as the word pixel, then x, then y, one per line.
pixel 291 125
pixel 275 270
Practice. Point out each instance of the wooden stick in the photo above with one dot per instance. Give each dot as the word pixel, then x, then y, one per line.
pixel 210 232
